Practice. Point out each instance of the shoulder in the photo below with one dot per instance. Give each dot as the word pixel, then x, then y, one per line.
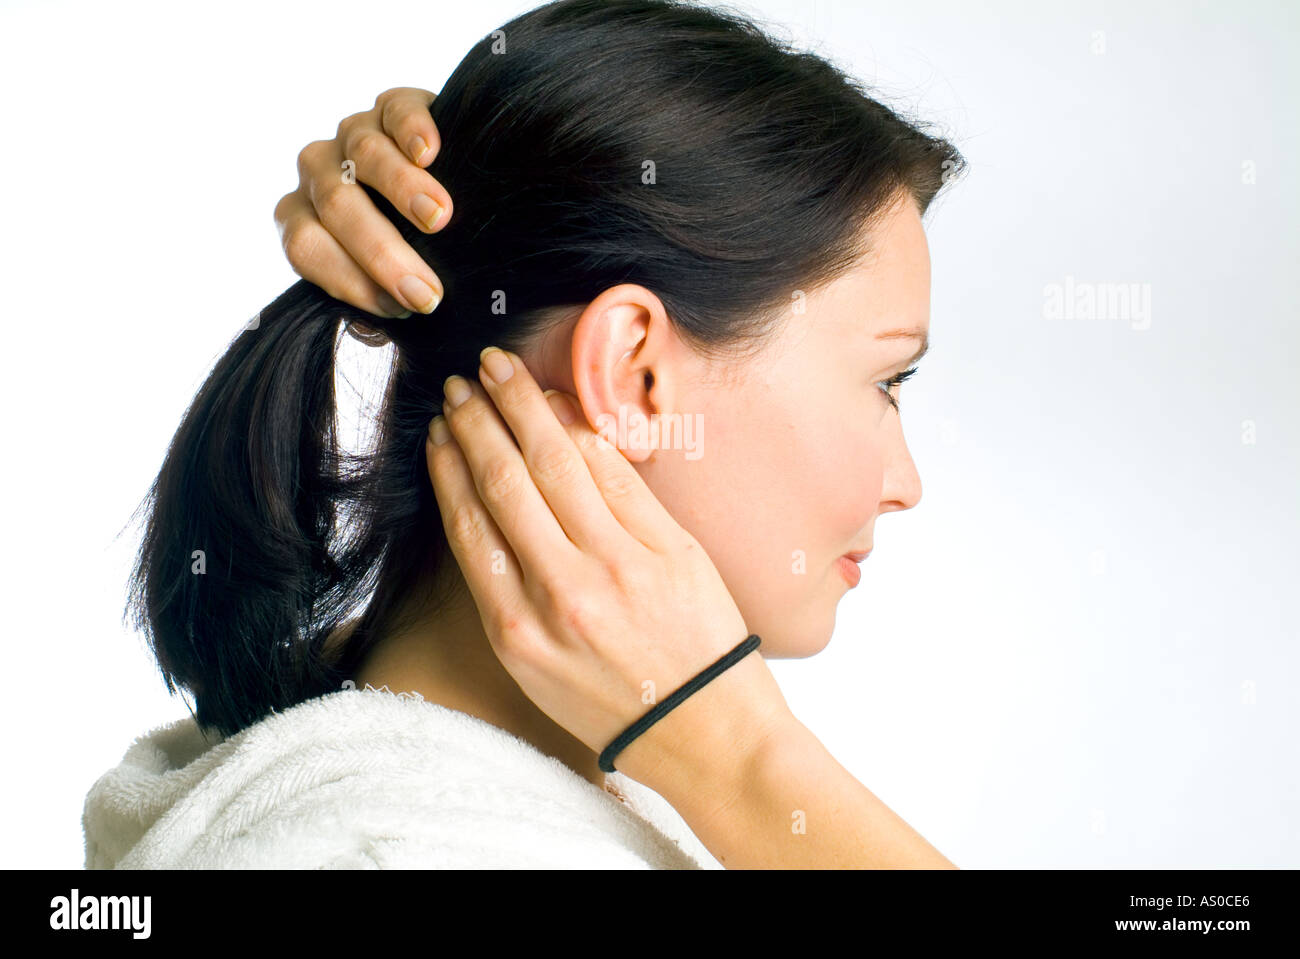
pixel 368 779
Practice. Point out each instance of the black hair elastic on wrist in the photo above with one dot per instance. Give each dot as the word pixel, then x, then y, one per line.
pixel 747 646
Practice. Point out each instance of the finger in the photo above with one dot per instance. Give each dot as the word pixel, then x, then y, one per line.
pixel 553 459
pixel 486 560
pixel 506 487
pixel 381 164
pixel 318 258
pixel 626 494
pixel 369 237
pixel 404 114
pixel 367 335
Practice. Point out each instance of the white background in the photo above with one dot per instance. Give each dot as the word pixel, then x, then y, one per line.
pixel 1080 648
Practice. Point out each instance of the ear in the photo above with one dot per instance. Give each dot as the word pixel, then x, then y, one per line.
pixel 624 359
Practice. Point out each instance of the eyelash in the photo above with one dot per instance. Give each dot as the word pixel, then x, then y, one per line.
pixel 898 379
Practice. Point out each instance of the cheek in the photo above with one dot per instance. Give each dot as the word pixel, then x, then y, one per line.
pixel 747 497
pixel 773 480
pixel 807 480
pixel 775 496
pixel 843 471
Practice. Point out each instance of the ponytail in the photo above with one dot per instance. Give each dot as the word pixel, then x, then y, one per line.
pixel 234 578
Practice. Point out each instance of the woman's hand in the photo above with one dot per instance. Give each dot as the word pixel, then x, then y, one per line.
pixel 335 237
pixel 594 599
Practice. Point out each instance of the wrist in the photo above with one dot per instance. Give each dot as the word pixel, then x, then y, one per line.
pixel 703 752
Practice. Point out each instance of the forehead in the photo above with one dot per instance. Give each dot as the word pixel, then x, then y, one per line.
pixel 887 292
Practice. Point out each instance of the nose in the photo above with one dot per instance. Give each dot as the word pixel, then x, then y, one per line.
pixel 902 483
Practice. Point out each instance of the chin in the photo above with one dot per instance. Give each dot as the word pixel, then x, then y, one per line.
pixel 786 645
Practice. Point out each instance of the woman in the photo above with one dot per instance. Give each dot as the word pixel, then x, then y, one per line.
pixel 696 228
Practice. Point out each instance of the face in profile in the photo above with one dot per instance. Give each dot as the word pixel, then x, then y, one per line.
pixel 778 463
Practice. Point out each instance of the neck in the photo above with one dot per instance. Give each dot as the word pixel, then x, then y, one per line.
pixel 446 658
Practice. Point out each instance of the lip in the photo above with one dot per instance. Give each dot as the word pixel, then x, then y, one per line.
pixel 848 564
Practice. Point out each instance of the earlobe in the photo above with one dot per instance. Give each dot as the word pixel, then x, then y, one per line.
pixel 631 432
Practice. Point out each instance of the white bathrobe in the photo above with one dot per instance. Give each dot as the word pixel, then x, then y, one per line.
pixel 365 779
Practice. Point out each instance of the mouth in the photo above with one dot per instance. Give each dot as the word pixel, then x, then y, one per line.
pixel 848 565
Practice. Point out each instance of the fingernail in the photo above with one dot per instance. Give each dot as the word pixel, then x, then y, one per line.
pixel 496 364
pixel 426 210
pixel 438 431
pixel 417 148
pixel 457 391
pixel 391 306
pixel 564 410
pixel 419 294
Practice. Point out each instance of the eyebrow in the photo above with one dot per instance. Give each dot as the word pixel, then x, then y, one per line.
pixel 914 333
